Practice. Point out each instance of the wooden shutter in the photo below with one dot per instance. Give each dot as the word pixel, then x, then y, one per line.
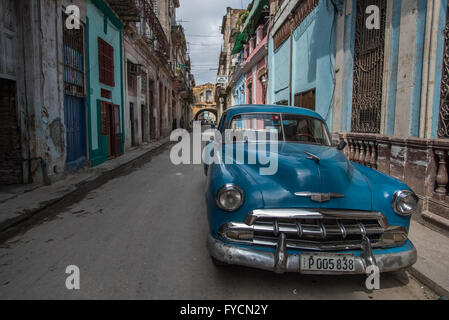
pixel 106 62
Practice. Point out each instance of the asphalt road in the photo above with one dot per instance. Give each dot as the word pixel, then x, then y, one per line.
pixel 142 235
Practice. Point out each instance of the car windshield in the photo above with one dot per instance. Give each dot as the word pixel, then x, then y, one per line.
pixel 284 127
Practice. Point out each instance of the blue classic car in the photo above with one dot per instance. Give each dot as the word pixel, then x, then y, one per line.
pixel 316 213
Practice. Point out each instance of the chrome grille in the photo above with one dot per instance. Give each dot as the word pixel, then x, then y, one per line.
pixel 316 230
pixel 313 229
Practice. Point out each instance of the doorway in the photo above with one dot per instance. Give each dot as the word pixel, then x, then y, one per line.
pixel 133 125
pixel 111 127
pixel 368 71
pixel 75 121
pixel 143 122
pixel 115 139
pixel 152 114
pixel 10 147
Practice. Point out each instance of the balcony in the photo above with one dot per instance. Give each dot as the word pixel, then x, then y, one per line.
pixel 158 40
pixel 126 9
pixel 257 42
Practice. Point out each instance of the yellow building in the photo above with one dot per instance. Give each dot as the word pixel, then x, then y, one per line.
pixel 204 98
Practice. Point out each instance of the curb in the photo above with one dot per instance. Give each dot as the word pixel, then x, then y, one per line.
pixel 421 277
pixel 10 227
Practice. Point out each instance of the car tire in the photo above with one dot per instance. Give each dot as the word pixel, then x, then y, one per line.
pixel 218 263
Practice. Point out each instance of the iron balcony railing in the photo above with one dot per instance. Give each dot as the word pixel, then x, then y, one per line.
pixel 156 37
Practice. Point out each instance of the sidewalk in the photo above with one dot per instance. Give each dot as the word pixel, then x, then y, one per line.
pixel 20 203
pixel 432 267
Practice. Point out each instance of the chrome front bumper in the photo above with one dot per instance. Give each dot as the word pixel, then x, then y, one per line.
pixel 281 262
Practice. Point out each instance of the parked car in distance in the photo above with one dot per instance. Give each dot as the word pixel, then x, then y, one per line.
pixel 318 213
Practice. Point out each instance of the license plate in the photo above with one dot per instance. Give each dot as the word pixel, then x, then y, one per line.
pixel 327 262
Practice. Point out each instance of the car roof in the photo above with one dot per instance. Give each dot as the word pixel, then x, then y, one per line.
pixel 257 108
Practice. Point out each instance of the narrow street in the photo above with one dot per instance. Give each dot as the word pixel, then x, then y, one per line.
pixel 142 235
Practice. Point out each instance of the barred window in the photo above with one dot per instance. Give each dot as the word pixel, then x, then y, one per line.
pixel 144 83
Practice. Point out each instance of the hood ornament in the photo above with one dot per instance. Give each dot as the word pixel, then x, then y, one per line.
pixel 319 197
pixel 313 157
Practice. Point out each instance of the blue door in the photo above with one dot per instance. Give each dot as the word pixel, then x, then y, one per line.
pixel 75 121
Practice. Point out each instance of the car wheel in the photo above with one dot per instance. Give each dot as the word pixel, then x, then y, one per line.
pixel 218 263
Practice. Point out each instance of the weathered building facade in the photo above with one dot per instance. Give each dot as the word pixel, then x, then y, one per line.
pixel 243 61
pixel 146 49
pixel 75 97
pixel 380 85
pixel 256 53
pixel 43 89
pixel 229 29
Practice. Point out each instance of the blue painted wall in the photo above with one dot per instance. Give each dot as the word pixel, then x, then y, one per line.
pixel 314 57
pixel 438 69
pixel 415 108
pixel 313 60
pixel 279 71
pixel 348 76
pixel 240 90
pixel 393 67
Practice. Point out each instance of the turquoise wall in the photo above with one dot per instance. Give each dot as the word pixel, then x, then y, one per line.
pixel 314 57
pixel 102 23
pixel 279 71
pixel 313 60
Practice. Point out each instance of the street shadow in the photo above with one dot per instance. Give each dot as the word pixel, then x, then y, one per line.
pixel 312 286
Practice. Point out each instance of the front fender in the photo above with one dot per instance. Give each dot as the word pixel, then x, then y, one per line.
pixel 219 175
pixel 383 189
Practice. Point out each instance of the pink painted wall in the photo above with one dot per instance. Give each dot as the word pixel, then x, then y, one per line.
pixel 256 73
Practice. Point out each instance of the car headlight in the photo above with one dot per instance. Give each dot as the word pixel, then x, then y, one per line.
pixel 405 202
pixel 229 197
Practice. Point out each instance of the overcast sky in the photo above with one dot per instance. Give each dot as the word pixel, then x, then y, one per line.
pixel 202 20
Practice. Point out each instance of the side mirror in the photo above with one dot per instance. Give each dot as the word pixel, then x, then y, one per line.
pixel 341 145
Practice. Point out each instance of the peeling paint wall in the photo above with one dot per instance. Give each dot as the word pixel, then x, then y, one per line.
pixel 39 90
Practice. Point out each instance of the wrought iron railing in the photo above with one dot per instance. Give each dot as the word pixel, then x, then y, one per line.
pixel 156 37
pixel 443 127
pixel 368 71
pixel 73 58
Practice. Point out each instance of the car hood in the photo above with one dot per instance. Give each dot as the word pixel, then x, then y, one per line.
pixel 333 173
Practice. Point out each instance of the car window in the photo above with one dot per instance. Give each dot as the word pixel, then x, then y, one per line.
pixel 256 126
pixel 298 128
pixel 292 128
